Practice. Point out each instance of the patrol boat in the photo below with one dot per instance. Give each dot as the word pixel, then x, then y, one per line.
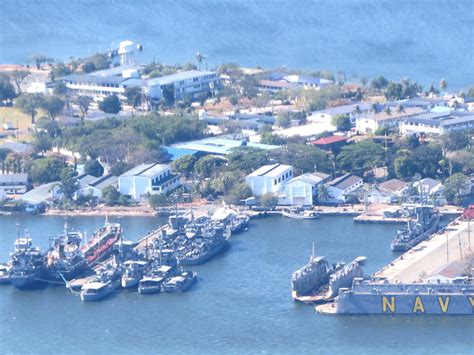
pixel 180 283
pixel 369 297
pixel 427 223
pixel 27 265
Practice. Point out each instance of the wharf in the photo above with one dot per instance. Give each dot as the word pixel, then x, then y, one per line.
pixel 379 219
pixel 453 243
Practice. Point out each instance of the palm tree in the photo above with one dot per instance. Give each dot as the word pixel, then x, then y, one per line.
pixel 323 192
pixel 374 107
pixel 401 109
pixel 356 111
pixel 388 111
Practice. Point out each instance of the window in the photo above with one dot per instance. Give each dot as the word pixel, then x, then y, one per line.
pixel 274 182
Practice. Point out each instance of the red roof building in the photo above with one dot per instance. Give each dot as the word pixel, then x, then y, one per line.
pixel 329 142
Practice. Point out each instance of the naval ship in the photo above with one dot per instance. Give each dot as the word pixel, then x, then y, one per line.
pixel 101 244
pixel 368 297
pixel 427 223
pixel 345 276
pixel 310 278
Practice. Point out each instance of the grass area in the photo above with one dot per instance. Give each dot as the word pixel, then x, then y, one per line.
pixel 15 117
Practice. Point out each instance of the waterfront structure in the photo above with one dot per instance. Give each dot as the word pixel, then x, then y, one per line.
pixel 269 178
pixel 390 191
pixel 13 184
pixel 147 179
pixel 185 84
pixel 221 146
pixel 340 188
pixel 42 196
pixel 302 190
pixel 92 186
pixel 366 297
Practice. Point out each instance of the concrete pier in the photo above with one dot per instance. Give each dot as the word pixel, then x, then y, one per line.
pixel 454 243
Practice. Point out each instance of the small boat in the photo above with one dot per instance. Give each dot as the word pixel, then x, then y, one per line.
pixel 180 283
pixel 307 214
pixel 5 274
pixel 132 274
pixel 95 291
pixel 150 285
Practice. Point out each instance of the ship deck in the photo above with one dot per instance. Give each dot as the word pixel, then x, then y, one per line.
pixel 454 243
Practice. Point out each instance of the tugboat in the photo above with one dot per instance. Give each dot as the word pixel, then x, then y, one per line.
pixel 427 223
pixel 180 283
pixel 65 260
pixel 27 265
pixel 306 214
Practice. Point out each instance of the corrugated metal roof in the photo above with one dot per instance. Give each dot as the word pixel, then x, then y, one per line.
pixel 345 181
pixel 13 178
pixel 173 78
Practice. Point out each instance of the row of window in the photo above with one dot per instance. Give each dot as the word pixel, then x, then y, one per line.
pixel 283 177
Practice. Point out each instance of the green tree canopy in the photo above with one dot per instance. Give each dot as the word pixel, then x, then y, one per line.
pixel 94 168
pixel 53 105
pixel 110 104
pixel 455 187
pixel 46 170
pixel 29 104
pixel 360 157
pixel 185 164
pixel 342 123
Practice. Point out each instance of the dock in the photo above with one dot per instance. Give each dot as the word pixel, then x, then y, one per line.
pixel 454 243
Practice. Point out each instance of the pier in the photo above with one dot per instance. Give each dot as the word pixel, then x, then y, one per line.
pixel 454 243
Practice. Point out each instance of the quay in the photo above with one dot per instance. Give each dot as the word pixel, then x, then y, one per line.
pixel 453 243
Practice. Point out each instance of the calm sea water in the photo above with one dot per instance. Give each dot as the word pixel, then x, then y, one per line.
pixel 241 303
pixel 422 39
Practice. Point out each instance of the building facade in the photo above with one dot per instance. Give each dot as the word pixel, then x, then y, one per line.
pixel 147 179
pixel 269 178
pixel 13 184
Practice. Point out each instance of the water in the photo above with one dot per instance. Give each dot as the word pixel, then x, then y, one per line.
pixel 241 303
pixel 421 39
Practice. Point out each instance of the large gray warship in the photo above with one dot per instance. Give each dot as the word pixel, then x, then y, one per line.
pixel 345 276
pixel 368 297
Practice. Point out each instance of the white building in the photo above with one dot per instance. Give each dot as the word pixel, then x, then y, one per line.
pixel 269 178
pixel 328 114
pixel 92 186
pixel 308 82
pixel 184 84
pixel 302 190
pixel 390 191
pixel 341 187
pixel 369 123
pixel 13 184
pixel 147 179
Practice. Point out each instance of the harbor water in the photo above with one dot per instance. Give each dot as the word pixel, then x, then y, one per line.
pixel 420 39
pixel 241 304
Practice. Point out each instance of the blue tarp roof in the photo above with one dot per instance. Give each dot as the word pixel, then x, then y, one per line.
pixel 177 153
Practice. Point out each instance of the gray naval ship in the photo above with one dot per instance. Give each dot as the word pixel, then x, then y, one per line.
pixel 345 276
pixel 427 223
pixel 368 297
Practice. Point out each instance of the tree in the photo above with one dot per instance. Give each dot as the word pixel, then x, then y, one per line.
pixel 342 123
pixel 83 103
pixel 39 60
pixel 46 170
pixel 18 76
pixel 60 89
pixel 7 91
pixel 360 157
pixel 231 127
pixel 29 104
pixel 207 165
pixel 388 111
pixel 456 140
pixel 379 83
pixel 323 192
pixel 168 95
pixel 94 168
pixel 185 164
pixel 53 105
pixel 111 195
pixel 158 200
pixel 375 107
pixel 393 91
pixel 283 119
pixel 455 187
pixel 356 111
pixel 133 95
pixel 69 182
pixel 269 200
pixel 42 142
pixel 443 85
pixel 111 104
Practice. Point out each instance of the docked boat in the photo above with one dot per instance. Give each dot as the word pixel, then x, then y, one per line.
pixel 427 222
pixel 180 283
pixel 227 216
pixel 200 249
pixel 133 273
pixel 65 260
pixel 309 281
pixel 306 214
pixel 344 277
pixel 150 285
pixel 101 244
pixel 105 282
pixel 27 265
pixel 5 274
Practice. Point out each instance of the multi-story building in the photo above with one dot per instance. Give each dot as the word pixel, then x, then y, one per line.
pixel 269 178
pixel 147 179
pixel 13 184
